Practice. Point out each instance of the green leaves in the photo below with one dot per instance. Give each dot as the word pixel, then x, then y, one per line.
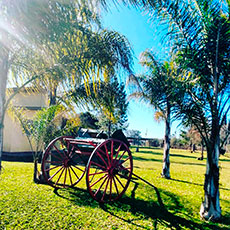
pixel 158 85
pixel 108 99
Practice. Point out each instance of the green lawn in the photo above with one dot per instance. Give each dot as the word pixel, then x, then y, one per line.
pixel 25 205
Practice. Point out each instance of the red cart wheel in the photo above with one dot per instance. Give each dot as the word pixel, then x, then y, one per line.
pixel 62 166
pixel 109 170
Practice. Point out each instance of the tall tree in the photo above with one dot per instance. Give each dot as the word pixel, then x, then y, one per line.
pixel 201 33
pixel 157 88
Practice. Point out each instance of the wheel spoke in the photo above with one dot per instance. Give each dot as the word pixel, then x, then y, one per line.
pixel 110 191
pixel 123 161
pixel 74 172
pixel 123 176
pixel 76 157
pixel 78 168
pixel 52 168
pixel 98 181
pixel 64 144
pixel 65 177
pixel 115 186
pixel 71 151
pixel 92 174
pixel 102 158
pixel 118 150
pixel 55 173
pixel 125 169
pixel 102 199
pixel 101 151
pixel 107 154
pixel 100 186
pixel 119 181
pixel 68 144
pixel 58 151
pixel 50 153
pixel 70 176
pixel 59 176
pixel 92 162
pixel 122 155
pixel 54 162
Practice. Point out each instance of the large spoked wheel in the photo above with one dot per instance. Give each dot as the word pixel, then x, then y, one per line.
pixel 62 166
pixel 109 171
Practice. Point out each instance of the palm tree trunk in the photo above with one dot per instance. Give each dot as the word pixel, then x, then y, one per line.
pixel 210 208
pixel 166 163
pixel 53 96
pixel 4 67
pixel 36 180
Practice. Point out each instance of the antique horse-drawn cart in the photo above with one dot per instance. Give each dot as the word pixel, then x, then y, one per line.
pixel 107 164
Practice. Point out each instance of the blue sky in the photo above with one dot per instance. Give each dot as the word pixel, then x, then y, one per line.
pixel 142 34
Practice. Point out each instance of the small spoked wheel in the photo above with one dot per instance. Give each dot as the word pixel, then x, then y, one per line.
pixel 62 166
pixel 109 171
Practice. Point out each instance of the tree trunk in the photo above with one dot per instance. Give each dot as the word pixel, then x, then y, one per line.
pixel 4 67
pixel 53 96
pixel 109 128
pixel 1 140
pixel 52 101
pixel 36 180
pixel 210 208
pixel 202 151
pixel 166 163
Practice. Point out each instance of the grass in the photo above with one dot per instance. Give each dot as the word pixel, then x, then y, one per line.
pixel 25 205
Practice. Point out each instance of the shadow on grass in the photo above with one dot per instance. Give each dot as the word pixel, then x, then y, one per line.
pixel 188 163
pixel 146 147
pixel 151 152
pixel 160 160
pixel 188 182
pixel 224 160
pixel 146 159
pixel 142 210
pixel 183 156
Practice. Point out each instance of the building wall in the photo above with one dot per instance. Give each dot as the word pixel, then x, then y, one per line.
pixel 30 99
pixel 14 140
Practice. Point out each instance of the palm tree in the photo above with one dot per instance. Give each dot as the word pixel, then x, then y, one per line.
pixel 201 34
pixel 156 88
pixel 70 38
pixel 62 43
